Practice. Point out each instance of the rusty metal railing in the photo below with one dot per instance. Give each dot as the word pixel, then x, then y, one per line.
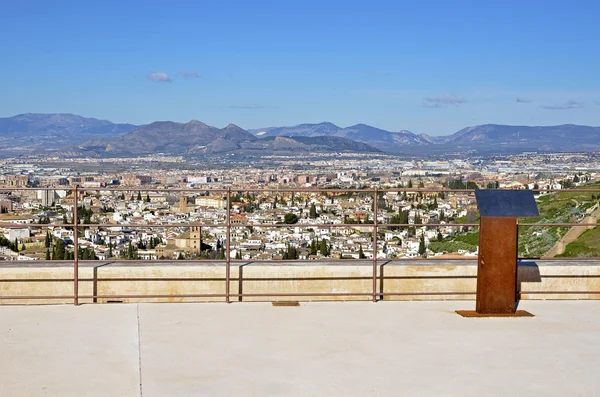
pixel 375 293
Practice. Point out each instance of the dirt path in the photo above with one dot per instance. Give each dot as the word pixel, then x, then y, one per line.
pixel 572 235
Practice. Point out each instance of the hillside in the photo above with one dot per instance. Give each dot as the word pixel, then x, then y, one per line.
pixel 195 138
pixel 29 132
pixel 521 138
pixel 395 142
pixel 173 138
pixel 537 241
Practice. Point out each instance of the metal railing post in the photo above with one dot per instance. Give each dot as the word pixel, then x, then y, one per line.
pixel 375 230
pixel 228 248
pixel 76 247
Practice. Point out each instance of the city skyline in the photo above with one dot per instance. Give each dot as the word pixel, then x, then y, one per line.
pixel 428 68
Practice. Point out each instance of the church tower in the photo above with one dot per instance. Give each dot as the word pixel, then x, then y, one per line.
pixel 183 204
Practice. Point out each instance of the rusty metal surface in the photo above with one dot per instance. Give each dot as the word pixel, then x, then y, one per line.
pixel 474 314
pixel 497 265
pixel 375 209
pixel 76 247
pixel 507 203
pixel 228 248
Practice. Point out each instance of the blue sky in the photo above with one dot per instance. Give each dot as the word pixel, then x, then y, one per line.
pixel 428 66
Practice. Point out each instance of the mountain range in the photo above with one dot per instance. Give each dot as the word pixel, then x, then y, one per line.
pixel 381 139
pixel 196 137
pixel 486 138
pixel 36 131
pixel 72 135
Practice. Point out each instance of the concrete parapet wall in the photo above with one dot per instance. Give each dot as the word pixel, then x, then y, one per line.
pixel 417 280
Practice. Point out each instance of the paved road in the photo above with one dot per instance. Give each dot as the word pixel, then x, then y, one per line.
pixel 317 349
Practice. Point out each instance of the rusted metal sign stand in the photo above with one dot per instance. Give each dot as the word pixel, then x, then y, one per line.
pixel 498 243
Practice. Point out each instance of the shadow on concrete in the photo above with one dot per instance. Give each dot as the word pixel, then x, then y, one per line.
pixel 528 271
pixel 95 280
pixel 241 280
pixel 381 278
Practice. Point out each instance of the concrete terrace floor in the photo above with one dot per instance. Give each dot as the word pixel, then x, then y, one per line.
pixel 317 349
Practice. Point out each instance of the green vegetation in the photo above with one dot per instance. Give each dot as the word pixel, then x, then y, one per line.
pixel 469 238
pixel 451 246
pixel 290 218
pixel 563 207
pixel 586 245
pixel 535 241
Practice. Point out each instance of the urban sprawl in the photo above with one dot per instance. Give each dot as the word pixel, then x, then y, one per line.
pixel 137 208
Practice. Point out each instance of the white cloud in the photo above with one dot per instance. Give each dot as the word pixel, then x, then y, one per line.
pixel 443 100
pixel 159 77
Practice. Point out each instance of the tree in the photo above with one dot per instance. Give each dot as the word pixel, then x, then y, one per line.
pixel 180 256
pixel 575 179
pixel 361 254
pixel 139 196
pixel 324 249
pixel 417 220
pixel 313 247
pixel 23 248
pixel 130 251
pixel 313 211
pixel 275 203
pixel 422 245
pixel 147 198
pixel 290 253
pixel 47 240
pixel 472 185
pixel 434 205
pixel 290 218
pixel 456 184
pixel 59 250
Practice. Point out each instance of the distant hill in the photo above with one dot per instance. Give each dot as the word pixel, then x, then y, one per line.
pixel 311 144
pixel 173 138
pixel 376 137
pixel 36 131
pixel 484 139
pixel 508 138
pixel 196 137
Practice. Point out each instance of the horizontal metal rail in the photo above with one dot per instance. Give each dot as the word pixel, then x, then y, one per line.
pixel 375 225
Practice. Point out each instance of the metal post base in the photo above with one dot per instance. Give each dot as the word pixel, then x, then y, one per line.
pixel 473 313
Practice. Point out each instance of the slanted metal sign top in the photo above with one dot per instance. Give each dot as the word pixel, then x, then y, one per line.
pixel 507 203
